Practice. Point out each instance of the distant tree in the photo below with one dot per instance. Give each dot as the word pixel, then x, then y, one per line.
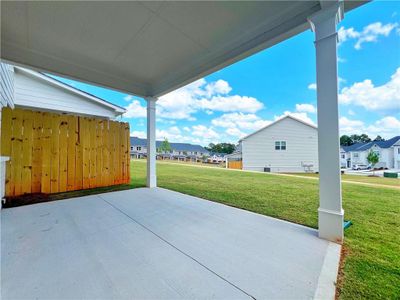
pixel 221 148
pixel 362 138
pixel 373 159
pixel 165 147
pixel 345 140
pixel 379 138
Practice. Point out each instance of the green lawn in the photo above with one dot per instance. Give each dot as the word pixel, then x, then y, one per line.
pixel 372 264
pixel 364 179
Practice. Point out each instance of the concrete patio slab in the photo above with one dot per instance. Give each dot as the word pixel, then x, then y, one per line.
pixel 159 244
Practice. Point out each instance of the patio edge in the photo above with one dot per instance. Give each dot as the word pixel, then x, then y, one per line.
pixel 326 286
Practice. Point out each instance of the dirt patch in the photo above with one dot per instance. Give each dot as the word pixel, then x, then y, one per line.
pixel 340 277
pixel 28 199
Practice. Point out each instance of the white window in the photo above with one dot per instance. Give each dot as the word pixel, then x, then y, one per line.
pixel 138 148
pixel 398 150
pixel 355 155
pixel 280 145
pixel 131 148
pixel 343 156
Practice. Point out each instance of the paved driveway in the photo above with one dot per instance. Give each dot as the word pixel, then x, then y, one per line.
pixel 159 244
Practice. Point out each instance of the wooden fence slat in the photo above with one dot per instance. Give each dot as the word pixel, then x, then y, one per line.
pixel 85 123
pixel 37 152
pixel 55 154
pixel 112 152
pixel 79 155
pixel 128 153
pixel 27 144
pixel 6 133
pixel 71 152
pixel 99 156
pixel 16 153
pixel 46 153
pixel 117 153
pixel 63 152
pixel 93 170
pixel 106 154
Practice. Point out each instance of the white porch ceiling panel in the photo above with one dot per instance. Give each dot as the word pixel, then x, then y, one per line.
pixel 144 48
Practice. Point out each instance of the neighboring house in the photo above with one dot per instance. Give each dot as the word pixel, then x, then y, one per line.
pixel 216 157
pixel 180 151
pixel 37 91
pixel 286 145
pixel 388 152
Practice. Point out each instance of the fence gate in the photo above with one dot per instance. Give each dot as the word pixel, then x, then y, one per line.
pixel 51 153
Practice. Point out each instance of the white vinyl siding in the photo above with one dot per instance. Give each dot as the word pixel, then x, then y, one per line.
pixel 6 85
pixel 300 142
pixel 34 93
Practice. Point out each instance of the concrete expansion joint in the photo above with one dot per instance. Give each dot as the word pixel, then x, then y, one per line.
pixel 176 248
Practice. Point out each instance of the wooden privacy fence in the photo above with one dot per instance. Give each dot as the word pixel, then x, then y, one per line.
pixel 51 153
pixel 235 164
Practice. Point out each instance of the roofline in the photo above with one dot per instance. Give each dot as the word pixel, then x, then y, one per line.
pixel 118 109
pixel 277 121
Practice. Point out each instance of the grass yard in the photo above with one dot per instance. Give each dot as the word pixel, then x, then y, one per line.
pixel 363 179
pixel 371 267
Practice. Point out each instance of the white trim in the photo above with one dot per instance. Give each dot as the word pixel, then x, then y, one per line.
pixel 273 123
pixel 69 88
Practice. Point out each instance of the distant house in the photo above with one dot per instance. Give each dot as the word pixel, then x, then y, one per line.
pixel 286 145
pixel 180 151
pixel 388 152
pixel 216 157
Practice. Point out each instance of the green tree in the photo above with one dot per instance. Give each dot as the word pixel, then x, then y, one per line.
pixel 362 138
pixel 221 148
pixel 165 146
pixel 379 138
pixel 345 140
pixel 373 159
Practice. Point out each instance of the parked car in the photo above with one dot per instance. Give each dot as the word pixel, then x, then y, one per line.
pixel 360 167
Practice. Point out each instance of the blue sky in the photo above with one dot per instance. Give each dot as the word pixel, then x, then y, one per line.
pixel 243 97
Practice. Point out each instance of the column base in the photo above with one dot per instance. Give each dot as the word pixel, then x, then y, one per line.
pixel 152 182
pixel 330 225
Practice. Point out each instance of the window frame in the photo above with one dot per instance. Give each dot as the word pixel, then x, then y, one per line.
pixel 280 145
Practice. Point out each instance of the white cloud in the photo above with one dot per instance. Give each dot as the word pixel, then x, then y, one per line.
pixel 231 103
pixel 299 115
pixel 351 112
pixel 128 98
pixel 135 110
pixel 139 134
pixel 365 94
pixel 370 33
pixel 386 127
pixel 312 86
pixel 219 87
pixel 308 108
pixel 235 132
pixel 247 122
pixel 205 132
pixel 200 95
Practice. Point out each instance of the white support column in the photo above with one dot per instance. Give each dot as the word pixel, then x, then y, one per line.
pixel 151 142
pixel 330 212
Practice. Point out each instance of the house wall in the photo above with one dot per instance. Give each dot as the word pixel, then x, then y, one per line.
pixel 258 150
pixel 33 93
pixel 6 85
pixel 396 156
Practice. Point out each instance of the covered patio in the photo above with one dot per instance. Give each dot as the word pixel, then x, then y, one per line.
pixel 154 243
pixel 159 244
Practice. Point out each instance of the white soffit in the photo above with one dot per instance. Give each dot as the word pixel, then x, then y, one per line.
pixel 144 48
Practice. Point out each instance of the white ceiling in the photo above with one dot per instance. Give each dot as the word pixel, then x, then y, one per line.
pixel 144 48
